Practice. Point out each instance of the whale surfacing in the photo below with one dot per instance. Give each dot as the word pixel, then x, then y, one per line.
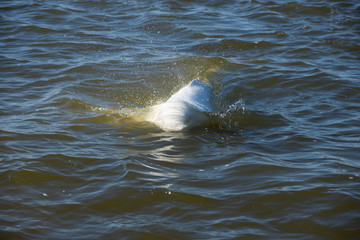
pixel 188 108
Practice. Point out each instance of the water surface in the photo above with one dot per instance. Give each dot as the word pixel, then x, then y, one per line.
pixel 281 162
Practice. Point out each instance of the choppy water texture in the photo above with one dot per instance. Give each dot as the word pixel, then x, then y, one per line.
pixel 281 162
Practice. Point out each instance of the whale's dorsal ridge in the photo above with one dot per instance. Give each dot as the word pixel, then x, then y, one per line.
pixel 198 94
pixel 186 109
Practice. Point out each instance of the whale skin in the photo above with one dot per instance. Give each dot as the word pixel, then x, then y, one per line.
pixel 188 108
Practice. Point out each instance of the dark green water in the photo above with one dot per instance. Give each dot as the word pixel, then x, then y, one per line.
pixel 281 162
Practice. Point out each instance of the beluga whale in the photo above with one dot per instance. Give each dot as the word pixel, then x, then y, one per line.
pixel 188 108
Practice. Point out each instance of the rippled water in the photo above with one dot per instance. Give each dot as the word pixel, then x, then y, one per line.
pixel 281 162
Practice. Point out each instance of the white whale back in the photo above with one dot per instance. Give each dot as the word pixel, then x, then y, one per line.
pixel 186 109
pixel 197 94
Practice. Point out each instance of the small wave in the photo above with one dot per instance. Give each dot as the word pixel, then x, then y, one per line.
pixel 231 45
pixel 237 116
